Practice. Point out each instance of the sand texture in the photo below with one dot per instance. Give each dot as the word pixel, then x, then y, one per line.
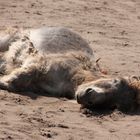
pixel 112 28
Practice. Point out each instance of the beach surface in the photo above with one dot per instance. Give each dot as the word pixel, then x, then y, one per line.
pixel 112 28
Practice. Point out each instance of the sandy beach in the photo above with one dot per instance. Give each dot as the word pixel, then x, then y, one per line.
pixel 112 28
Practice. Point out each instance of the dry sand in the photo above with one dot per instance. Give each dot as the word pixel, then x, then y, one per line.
pixel 112 28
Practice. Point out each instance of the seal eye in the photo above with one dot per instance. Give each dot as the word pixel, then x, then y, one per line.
pixel 88 90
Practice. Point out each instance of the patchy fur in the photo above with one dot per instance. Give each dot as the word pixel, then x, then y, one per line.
pixel 27 66
pixel 58 62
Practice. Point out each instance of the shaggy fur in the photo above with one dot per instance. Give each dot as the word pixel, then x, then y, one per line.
pixel 50 60
pixel 59 63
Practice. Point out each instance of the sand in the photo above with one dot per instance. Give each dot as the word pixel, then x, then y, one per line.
pixel 112 28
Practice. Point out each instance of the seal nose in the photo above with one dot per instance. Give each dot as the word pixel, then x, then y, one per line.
pixel 84 96
pixel 88 91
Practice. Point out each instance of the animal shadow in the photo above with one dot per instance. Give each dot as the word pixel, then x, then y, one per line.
pixel 101 112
